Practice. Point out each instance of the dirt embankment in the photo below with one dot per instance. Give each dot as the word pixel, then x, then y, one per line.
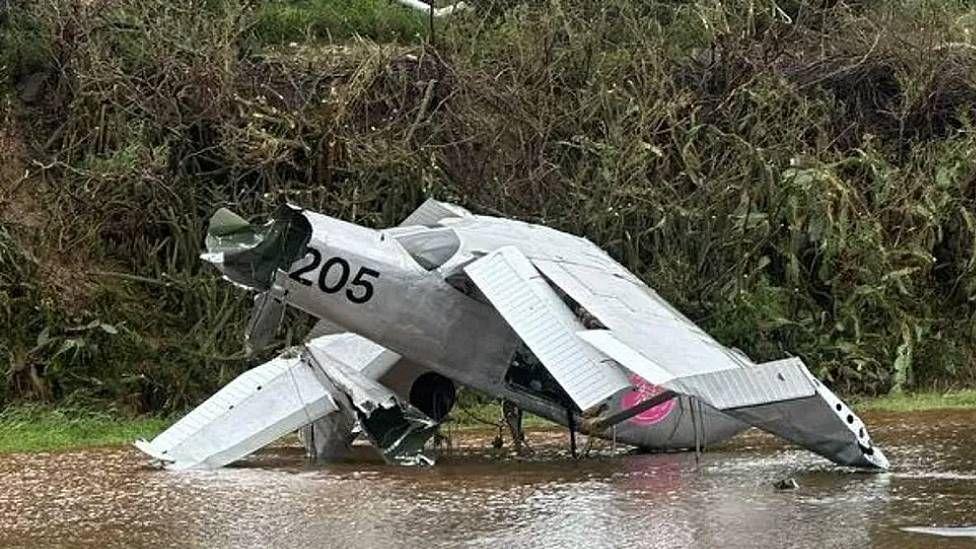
pixel 798 180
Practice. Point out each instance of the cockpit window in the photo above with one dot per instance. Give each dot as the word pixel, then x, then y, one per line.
pixel 430 248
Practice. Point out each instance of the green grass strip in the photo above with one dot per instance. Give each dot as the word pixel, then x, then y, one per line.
pixel 34 429
pixel 916 402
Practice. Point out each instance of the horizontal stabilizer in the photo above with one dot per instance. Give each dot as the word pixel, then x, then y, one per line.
pixel 255 409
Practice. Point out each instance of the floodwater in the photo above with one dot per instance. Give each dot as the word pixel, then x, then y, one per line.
pixel 478 498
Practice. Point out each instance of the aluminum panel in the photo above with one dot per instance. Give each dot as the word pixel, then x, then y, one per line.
pixel 604 341
pixel 639 319
pixel 765 383
pixel 255 409
pixel 534 311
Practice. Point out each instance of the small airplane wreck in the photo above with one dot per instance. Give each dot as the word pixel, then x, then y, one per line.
pixel 525 313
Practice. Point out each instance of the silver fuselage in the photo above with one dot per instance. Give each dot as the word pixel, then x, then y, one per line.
pixel 363 281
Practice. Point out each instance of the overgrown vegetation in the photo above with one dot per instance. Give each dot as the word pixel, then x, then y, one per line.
pixel 330 20
pixel 796 176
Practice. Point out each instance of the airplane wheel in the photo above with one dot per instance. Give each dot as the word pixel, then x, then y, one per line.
pixel 434 395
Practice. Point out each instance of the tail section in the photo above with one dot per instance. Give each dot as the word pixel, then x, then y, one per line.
pixel 249 255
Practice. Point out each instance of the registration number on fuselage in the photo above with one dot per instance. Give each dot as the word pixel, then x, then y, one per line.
pixel 358 290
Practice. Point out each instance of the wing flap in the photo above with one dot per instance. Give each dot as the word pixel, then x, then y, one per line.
pixel 639 318
pixel 524 299
pixel 775 381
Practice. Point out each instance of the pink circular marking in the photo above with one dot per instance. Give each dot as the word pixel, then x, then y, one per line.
pixel 641 392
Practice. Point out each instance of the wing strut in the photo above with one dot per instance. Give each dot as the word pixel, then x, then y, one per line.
pixel 597 425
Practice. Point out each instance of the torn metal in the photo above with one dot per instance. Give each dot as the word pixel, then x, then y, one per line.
pixel 537 317
pixel 267 313
pixel 249 255
pixel 396 428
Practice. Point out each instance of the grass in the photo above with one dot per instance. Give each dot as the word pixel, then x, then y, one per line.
pixel 42 429
pixel 380 20
pixel 36 429
pixel 916 402
pixel 481 415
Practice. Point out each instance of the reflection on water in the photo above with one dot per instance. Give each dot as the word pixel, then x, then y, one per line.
pixel 964 532
pixel 108 497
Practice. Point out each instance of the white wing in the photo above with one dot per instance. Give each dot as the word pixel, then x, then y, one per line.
pixel 637 316
pixel 332 374
pixel 252 411
pixel 546 325
pixel 646 335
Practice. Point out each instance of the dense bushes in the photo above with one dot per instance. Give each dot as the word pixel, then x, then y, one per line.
pixel 797 176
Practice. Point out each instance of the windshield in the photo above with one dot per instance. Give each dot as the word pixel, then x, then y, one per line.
pixel 430 248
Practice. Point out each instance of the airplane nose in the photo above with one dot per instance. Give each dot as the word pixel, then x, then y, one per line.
pixel 248 255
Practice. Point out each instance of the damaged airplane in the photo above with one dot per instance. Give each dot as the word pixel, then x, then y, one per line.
pixel 521 312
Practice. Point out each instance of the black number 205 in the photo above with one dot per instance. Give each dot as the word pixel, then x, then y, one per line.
pixel 360 290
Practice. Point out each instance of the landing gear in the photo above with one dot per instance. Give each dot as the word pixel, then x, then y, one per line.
pixel 513 418
pixel 571 422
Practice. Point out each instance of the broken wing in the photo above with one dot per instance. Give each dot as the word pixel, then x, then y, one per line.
pixel 332 376
pixel 644 334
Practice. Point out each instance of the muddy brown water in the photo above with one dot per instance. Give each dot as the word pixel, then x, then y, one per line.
pixel 476 497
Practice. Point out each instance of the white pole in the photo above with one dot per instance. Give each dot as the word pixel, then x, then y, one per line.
pixel 438 12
